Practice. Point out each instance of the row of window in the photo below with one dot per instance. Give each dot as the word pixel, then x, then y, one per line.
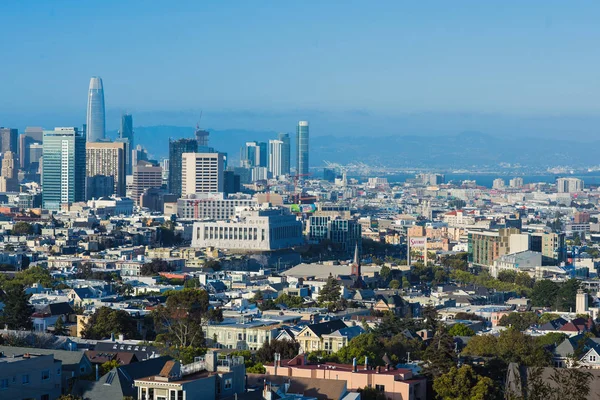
pixel 25 379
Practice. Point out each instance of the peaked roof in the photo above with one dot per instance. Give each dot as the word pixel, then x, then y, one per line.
pixel 325 328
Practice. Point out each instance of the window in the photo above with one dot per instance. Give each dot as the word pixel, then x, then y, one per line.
pixel 380 388
pixel 3 384
pixel 25 379
pixel 58 371
pixel 45 397
pixel 228 383
pixel 45 374
pixel 592 358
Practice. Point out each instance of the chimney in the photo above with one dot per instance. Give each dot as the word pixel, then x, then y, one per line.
pixel 97 372
pixel 354 364
pixel 366 363
pixel 121 337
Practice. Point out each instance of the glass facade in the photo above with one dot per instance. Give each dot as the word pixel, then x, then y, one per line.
pixel 302 146
pixel 95 111
pixel 285 153
pixel 63 168
pixel 176 149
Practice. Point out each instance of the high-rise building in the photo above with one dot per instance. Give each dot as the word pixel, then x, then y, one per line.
pixel 95 121
pixel 276 158
pixel 138 154
pixel 31 136
pixel 254 154
pixel 302 148
pixel 107 159
pixel 63 170
pixel 498 183
pixel 146 175
pixel 569 185
pixel 516 182
pixel 202 173
pixel 176 149
pixel 202 139
pixel 285 153
pixel 8 178
pixel 9 140
pixel 126 136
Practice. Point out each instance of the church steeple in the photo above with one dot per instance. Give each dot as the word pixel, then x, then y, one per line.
pixel 356 262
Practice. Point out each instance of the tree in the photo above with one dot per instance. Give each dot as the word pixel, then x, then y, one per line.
pixel 507 276
pixel 330 293
pixel 287 349
pixel 565 297
pixel 22 228
pixel 59 327
pixel 544 293
pixel 394 284
pixel 430 316
pixel 460 330
pixel 17 310
pixel 106 321
pixel 547 317
pixel 215 265
pixel 550 339
pixel 519 320
pixel 440 354
pixel 523 279
pixel 191 283
pixel 370 393
pixel 108 366
pixel 464 384
pixel 154 267
pixel 179 321
pixel 385 272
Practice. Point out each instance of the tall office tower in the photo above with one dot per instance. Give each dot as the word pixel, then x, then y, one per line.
pixel 254 154
pixel 95 121
pixel 176 149
pixel 31 136
pixel 164 164
pixel 263 154
pixel 276 158
pixel 302 148
pixel 8 140
pixel 107 159
pixel 146 175
pixel 63 169
pixel 202 173
pixel 286 155
pixel 138 154
pixel 126 136
pixel 8 177
pixel 202 139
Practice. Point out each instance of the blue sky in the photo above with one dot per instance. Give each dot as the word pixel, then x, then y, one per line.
pixel 386 59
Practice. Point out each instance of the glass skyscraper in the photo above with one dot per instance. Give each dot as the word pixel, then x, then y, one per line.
pixel 176 149
pixel 95 120
pixel 302 148
pixel 63 167
pixel 126 136
pixel 285 153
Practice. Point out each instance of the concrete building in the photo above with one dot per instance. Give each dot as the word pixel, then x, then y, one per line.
pixel 32 135
pixel 242 335
pixel 569 185
pixel 516 183
pixel 551 245
pixel 217 206
pixel 302 141
pixel 485 247
pixel 9 140
pixel 276 158
pixel 126 137
pixel 252 229
pixel 202 173
pixel 9 181
pixel 107 159
pixel 524 261
pixel 96 119
pixel 63 170
pixel 346 232
pixel 498 183
pixel 145 176
pixel 254 154
pixel 30 376
pixel 176 150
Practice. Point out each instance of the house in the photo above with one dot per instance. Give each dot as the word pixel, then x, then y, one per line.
pixel 45 316
pixel 395 383
pixel 30 376
pixel 100 357
pixel 334 341
pixel 119 382
pixel 274 387
pixel 81 296
pixel 141 351
pixel 311 336
pixel 242 334
pixel 210 378
pixel 392 303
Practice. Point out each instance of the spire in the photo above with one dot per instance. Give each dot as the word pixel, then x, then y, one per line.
pixel 356 260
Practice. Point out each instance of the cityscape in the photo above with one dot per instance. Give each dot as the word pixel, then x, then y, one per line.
pixel 224 223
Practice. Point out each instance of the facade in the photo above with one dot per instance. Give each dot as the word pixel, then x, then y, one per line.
pixel 201 173
pixel 516 183
pixel 145 176
pixel 95 120
pixel 247 335
pixel 202 139
pixel 63 170
pixel 126 136
pixel 9 181
pixel 551 245
pixel 217 206
pixel 254 154
pixel 29 376
pixel 302 148
pixel 32 135
pixel 569 185
pixel 276 158
pixel 498 183
pixel 176 150
pixel 286 155
pixel 346 232
pixel 486 247
pixel 9 140
pixel 518 262
pixel 107 159
pixel 253 229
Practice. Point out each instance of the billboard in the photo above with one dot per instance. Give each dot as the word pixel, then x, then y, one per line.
pixel 303 208
pixel 420 241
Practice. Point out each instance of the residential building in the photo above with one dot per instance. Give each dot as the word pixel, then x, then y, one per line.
pixel 176 150
pixel 516 183
pixel 253 229
pixel 107 159
pixel 302 142
pixel 242 334
pixel 276 158
pixel 202 173
pixel 569 185
pixel 30 376
pixel 498 183
pixel 486 246
pixel 63 170
pixel 551 245
pixel 146 175
pixel 217 206
pixel 254 154
pixel 95 121
pixel 311 337
pixel 285 153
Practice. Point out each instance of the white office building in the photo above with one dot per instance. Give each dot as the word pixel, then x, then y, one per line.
pixel 202 173
pixel 217 206
pixel 276 158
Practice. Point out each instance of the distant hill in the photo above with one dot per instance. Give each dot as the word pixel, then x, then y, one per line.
pixel 465 149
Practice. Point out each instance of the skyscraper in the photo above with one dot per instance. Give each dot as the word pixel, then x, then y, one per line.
pixel 255 154
pixel 126 136
pixel 146 176
pixel 176 149
pixel 202 139
pixel 31 136
pixel 107 159
pixel 302 148
pixel 95 120
pixel 63 170
pixel 285 153
pixel 8 175
pixel 202 173
pixel 276 158
pixel 9 140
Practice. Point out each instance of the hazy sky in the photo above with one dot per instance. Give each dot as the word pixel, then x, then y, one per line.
pixel 384 58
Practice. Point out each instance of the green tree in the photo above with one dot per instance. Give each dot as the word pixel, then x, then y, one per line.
pixel 257 368
pixel 550 339
pixel 565 297
pixel 460 330
pixel 544 293
pixel 191 283
pixel 22 228
pixel 547 317
pixel 385 272
pixel 331 292
pixel 440 355
pixel 17 310
pixel 287 349
pixel 370 393
pixel 106 321
pixel 507 276
pixel 523 279
pixel 519 320
pixel 463 384
pixel 59 327
pixel 108 366
pixel 154 267
pixel 394 284
pixel 33 275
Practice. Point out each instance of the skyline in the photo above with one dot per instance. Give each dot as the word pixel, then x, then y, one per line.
pixel 386 62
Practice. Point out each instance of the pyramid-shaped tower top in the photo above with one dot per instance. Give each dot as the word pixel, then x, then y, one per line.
pixel 356 260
